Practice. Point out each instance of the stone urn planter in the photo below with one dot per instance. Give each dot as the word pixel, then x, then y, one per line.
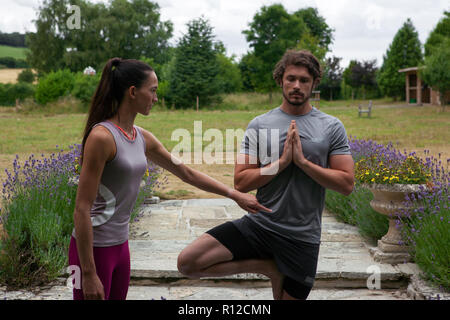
pixel 389 200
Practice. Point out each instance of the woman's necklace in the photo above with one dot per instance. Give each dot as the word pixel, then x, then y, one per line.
pixel 126 134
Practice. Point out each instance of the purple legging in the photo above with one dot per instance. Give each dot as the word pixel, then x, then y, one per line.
pixel 113 269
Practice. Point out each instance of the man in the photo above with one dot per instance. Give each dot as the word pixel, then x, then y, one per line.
pixel 311 154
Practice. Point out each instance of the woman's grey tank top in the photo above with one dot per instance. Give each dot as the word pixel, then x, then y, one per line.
pixel 118 189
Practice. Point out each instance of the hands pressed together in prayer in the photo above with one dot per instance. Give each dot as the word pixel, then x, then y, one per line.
pixel 293 151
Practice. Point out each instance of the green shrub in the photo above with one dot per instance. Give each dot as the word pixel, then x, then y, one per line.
pixel 13 63
pixel 54 85
pixel 355 209
pixel 371 224
pixel 341 206
pixel 431 251
pixel 163 90
pixel 10 92
pixel 84 86
pixel 26 76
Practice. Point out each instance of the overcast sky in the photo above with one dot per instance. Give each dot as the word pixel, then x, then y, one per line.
pixel 363 28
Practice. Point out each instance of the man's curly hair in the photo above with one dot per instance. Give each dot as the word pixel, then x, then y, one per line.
pixel 303 58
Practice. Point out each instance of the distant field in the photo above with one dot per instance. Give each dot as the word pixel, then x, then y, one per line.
pixel 9 75
pixel 7 51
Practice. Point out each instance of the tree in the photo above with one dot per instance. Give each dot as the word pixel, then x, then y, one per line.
pixel 120 28
pixel 440 33
pixel 361 75
pixel 247 68
pixel 317 26
pixel 271 32
pixel 265 36
pixel 14 39
pixel 312 43
pixel 26 75
pixel 351 79
pixel 437 69
pixel 47 44
pixel 229 76
pixel 196 67
pixel 369 76
pixel 405 51
pixel 332 77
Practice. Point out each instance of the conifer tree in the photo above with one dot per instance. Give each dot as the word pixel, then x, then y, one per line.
pixel 405 51
pixel 440 33
pixel 196 67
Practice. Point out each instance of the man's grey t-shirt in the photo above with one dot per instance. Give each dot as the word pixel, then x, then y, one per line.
pixel 296 200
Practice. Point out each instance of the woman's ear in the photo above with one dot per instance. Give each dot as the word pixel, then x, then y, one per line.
pixel 132 92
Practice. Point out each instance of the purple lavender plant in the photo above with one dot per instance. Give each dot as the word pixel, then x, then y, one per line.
pixel 426 228
pixel 425 225
pixel 38 200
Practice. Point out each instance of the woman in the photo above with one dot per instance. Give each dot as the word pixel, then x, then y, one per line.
pixel 114 160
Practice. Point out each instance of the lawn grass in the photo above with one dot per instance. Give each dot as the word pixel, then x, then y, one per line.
pixel 409 127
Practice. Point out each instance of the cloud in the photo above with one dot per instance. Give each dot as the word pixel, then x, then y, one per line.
pixel 363 28
pixel 17 16
pixel 27 3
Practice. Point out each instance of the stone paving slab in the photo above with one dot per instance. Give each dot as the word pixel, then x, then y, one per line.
pixel 220 292
pixel 177 220
pixel 166 228
pixel 206 290
pixel 344 258
pixel 347 265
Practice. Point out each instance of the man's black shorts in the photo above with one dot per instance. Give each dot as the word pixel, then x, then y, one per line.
pixel 296 260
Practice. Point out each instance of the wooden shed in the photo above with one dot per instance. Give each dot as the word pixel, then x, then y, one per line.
pixel 418 92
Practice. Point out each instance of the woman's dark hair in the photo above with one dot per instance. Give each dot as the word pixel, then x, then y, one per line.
pixel 118 75
pixel 302 58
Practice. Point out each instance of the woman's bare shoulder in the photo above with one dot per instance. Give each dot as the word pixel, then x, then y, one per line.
pixel 101 140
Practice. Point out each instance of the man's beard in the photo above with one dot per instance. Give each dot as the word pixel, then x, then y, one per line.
pixel 298 103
